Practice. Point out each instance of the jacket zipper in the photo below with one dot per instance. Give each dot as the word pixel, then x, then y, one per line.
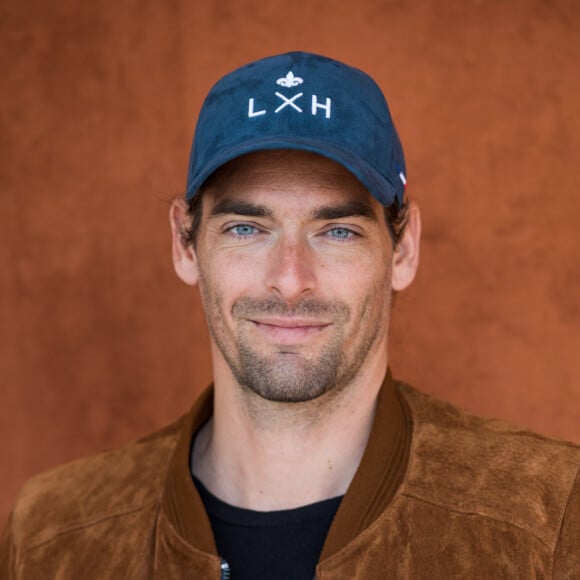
pixel 225 572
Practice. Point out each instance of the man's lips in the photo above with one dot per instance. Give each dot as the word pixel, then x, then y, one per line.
pixel 289 330
pixel 290 322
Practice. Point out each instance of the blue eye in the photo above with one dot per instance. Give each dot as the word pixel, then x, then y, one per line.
pixel 340 233
pixel 243 230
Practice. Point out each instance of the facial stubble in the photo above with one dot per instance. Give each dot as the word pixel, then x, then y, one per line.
pixel 290 374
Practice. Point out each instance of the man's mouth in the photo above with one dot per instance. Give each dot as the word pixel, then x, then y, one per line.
pixel 286 330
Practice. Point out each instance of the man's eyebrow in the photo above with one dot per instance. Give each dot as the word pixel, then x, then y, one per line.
pixel 343 210
pixel 238 207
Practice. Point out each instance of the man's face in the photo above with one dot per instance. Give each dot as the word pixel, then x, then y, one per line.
pixel 294 266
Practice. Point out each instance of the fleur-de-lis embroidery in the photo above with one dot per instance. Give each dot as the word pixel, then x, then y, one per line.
pixel 289 80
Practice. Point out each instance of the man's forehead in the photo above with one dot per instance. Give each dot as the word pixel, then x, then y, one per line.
pixel 285 172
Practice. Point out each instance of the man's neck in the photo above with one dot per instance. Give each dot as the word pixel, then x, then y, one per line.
pixel 270 456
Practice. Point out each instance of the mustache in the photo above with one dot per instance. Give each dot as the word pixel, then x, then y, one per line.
pixel 248 307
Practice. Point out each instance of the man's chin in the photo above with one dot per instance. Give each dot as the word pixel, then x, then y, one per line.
pixel 287 378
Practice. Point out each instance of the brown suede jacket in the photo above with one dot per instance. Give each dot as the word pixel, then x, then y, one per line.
pixel 439 494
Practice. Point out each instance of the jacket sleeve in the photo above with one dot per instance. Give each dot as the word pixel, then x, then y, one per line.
pixel 567 553
pixel 7 553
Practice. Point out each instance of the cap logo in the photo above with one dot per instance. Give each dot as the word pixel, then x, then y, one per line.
pixel 291 81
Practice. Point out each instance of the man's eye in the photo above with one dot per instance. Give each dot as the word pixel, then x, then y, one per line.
pixel 340 233
pixel 243 230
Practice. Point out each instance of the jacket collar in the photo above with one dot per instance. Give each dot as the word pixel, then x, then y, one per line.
pixel 376 481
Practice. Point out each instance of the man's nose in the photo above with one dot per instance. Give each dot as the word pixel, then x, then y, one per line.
pixel 291 271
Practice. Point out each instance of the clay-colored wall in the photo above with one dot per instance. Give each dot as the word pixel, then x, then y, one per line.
pixel 101 343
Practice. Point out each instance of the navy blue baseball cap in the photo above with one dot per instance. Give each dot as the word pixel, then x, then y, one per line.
pixel 301 101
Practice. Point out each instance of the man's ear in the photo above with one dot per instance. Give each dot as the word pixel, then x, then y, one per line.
pixel 406 253
pixel 183 252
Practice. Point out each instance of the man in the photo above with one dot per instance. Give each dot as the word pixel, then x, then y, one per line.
pixel 305 459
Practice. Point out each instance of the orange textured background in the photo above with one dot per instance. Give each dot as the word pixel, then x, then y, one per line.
pixel 101 342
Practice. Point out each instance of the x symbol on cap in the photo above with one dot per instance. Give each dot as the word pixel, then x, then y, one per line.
pixel 287 101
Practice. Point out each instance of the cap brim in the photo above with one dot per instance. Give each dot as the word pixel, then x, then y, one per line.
pixel 376 183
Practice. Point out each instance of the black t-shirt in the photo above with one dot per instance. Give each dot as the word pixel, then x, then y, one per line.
pixel 281 545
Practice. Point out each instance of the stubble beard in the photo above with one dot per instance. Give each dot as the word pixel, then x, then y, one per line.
pixel 289 375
